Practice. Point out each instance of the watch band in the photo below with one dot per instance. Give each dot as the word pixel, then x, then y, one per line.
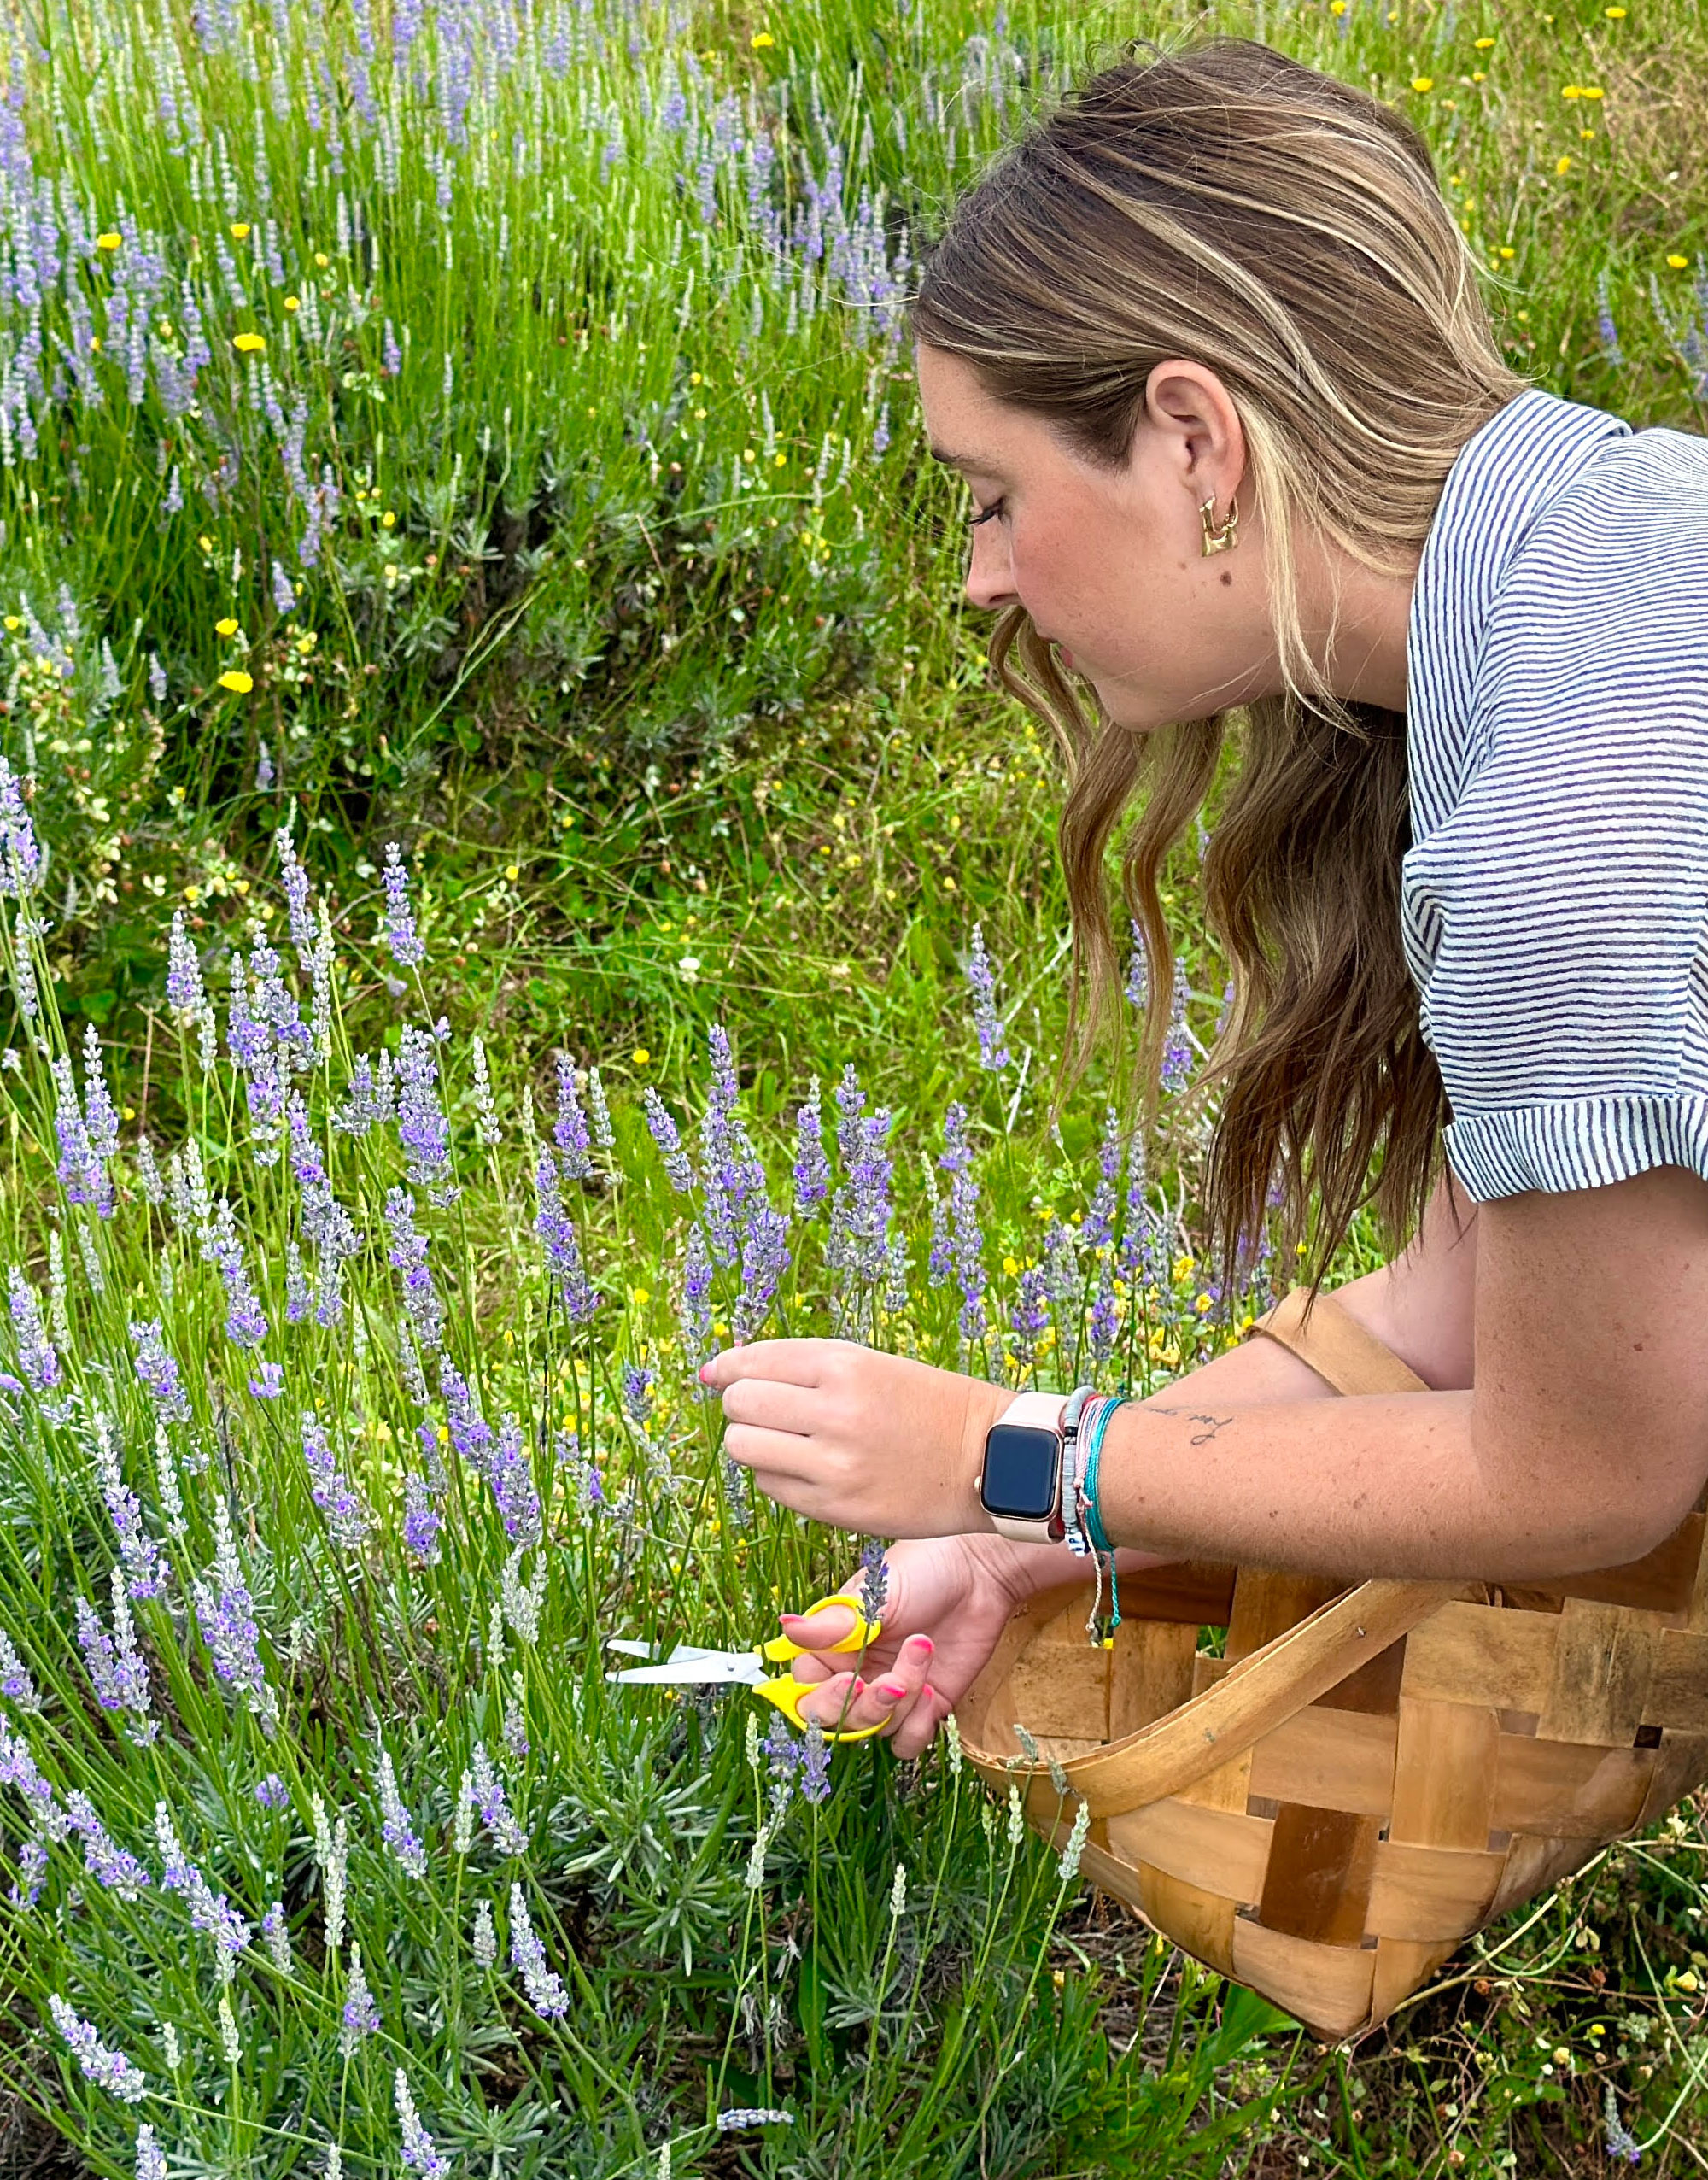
pixel 1038 1411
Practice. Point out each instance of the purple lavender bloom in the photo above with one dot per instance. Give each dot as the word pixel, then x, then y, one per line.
pixel 329 1488
pixel 1030 1313
pixel 694 1318
pixel 637 1392
pixel 421 1518
pixel 210 1912
pixel 399 933
pixel 160 1372
pixel 812 1167
pixel 544 1989
pixel 1138 968
pixel 117 1670
pixel 80 1167
pixel 874 1588
pixel 392 363
pixel 734 1174
pixel 470 1433
pixel 246 1323
pixel 408 1254
pixel 1606 331
pixel 226 1615
pixel 677 1166
pixel 968 1239
pixel 396 1829
pixel 783 1753
pixel 107 2068
pixel 360 2014
pixel 283 591
pixel 419 2153
pixel 422 1127
pixel 570 1130
pixel 1098 1229
pixel 33 1868
pixel 512 1479
pixel 1621 2143
pixel 268 1383
pixel 20 855
pixel 361 1109
pixel 271 1792
pixel 564 1265
pixel 18 1768
pixel 993 1052
pixel 490 1800
pixel 1177 1051
pixel 183 987
pixel 36 1357
pixel 115 1866
pixel 815 1772
pixel 294 880
pixel 15 1683
pixel 860 1221
pixel 765 1258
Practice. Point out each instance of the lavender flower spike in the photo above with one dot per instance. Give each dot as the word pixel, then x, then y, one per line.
pixel 419 2153
pixel 36 1356
pixel 396 1829
pixel 407 949
pixel 107 2068
pixel 993 1052
pixel 361 2015
pixel 184 988
pixel 158 1371
pixel 546 1991
pixel 209 1911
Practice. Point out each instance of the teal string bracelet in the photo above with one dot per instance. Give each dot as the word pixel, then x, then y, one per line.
pixel 1093 1513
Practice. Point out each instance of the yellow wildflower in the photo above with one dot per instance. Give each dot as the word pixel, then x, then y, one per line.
pixel 1484 44
pixel 1423 83
pixel 1572 91
pixel 388 520
pixel 1593 90
pixel 1615 14
pixel 1676 261
pixel 293 302
pixel 108 241
pixel 761 38
pixel 227 627
pixel 322 259
pixel 641 1056
pixel 1009 1266
pixel 1563 164
pixel 247 343
pixel 1507 252
pixel 13 621
pixel 240 231
pixel 640 1297
pixel 239 682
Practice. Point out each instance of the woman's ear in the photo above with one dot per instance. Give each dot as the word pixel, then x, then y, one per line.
pixel 1202 439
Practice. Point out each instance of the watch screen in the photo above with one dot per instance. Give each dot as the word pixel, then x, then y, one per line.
pixel 1022 1466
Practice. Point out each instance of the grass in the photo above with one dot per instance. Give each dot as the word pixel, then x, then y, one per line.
pixel 677 736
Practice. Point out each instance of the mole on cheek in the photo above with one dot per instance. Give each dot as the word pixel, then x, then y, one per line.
pixel 1226 578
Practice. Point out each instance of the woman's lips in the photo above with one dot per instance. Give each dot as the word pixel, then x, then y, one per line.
pixel 1067 656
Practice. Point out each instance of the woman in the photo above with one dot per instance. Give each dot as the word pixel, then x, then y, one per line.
pixel 1208 349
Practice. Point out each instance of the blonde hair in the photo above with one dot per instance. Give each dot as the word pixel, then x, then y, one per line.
pixel 1225 203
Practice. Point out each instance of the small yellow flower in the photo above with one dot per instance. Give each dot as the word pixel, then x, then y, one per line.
pixel 760 39
pixel 247 343
pixel 1572 91
pixel 192 894
pixel 1423 83
pixel 206 543
pixel 322 259
pixel 1676 262
pixel 641 1056
pixel 1009 1266
pixel 1507 252
pixel 293 302
pixel 1336 6
pixel 227 627
pixel 12 621
pixel 95 345
pixel 512 870
pixel 111 240
pixel 1484 44
pixel 780 462
pixel 1563 164
pixel 721 1329
pixel 237 682
pixel 695 379
pixel 1616 14
pixel 1479 75
pixel 388 520
pixel 1593 90
pixel 640 1297
pixel 240 231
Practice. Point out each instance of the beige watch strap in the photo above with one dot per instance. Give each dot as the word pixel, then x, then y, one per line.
pixel 1336 1346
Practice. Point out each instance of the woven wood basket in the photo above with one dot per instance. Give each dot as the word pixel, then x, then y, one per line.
pixel 1366 1775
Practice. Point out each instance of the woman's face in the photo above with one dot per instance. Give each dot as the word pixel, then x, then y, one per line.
pixel 1109 563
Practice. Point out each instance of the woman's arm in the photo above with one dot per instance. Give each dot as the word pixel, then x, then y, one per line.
pixel 1421 1306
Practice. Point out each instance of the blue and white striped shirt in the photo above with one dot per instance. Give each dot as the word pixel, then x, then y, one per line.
pixel 1554 901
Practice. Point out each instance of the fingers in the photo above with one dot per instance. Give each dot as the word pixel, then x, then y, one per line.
pixel 889 1697
pixel 793 1361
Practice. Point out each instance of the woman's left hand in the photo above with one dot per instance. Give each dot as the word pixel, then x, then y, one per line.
pixel 845 1434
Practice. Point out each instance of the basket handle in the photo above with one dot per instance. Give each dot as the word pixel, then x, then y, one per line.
pixel 1304 1662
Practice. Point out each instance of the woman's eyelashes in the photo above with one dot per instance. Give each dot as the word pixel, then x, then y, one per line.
pixel 985 514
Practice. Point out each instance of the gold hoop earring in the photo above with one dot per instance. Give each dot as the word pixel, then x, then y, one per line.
pixel 1224 538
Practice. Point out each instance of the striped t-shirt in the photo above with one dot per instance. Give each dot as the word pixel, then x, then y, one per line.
pixel 1555 899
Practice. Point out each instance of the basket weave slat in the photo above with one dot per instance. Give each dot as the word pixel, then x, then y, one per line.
pixel 1364 1775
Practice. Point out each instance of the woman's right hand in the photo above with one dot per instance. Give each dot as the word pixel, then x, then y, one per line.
pixel 950 1599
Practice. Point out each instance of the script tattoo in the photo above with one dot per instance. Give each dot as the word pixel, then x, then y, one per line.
pixel 1212 1423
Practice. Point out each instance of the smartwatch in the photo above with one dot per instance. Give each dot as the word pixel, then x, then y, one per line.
pixel 1020 1486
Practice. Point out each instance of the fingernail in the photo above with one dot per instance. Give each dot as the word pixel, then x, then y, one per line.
pixel 890 1692
pixel 928 1694
pixel 859 1686
pixel 705 1373
pixel 925 1645
pixel 793 1619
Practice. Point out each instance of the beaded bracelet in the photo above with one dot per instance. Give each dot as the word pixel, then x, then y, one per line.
pixel 1073 1469
pixel 1096 1534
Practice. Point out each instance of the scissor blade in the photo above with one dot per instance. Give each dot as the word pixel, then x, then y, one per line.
pixel 713 1668
pixel 629 1647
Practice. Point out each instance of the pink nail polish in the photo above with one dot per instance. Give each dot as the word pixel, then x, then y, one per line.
pixel 926 1646
pixel 890 1692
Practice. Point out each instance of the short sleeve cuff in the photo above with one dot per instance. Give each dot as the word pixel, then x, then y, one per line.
pixel 1583 1143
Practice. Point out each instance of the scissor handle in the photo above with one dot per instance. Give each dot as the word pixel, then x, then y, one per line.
pixel 786 1693
pixel 779 1649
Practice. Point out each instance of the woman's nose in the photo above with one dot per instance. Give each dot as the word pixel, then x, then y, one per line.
pixel 990 578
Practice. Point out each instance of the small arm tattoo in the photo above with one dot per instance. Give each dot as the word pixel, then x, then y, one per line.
pixel 1212 1423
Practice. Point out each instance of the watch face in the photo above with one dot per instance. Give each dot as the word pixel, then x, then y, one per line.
pixel 1022 1466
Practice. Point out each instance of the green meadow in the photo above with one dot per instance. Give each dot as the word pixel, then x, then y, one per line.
pixel 515 876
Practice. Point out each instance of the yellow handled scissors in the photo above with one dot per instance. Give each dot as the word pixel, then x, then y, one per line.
pixel 689 1666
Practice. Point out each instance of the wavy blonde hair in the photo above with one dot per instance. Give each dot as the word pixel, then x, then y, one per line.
pixel 1225 203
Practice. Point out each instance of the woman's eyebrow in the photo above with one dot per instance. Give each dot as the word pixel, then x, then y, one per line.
pixel 979 462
